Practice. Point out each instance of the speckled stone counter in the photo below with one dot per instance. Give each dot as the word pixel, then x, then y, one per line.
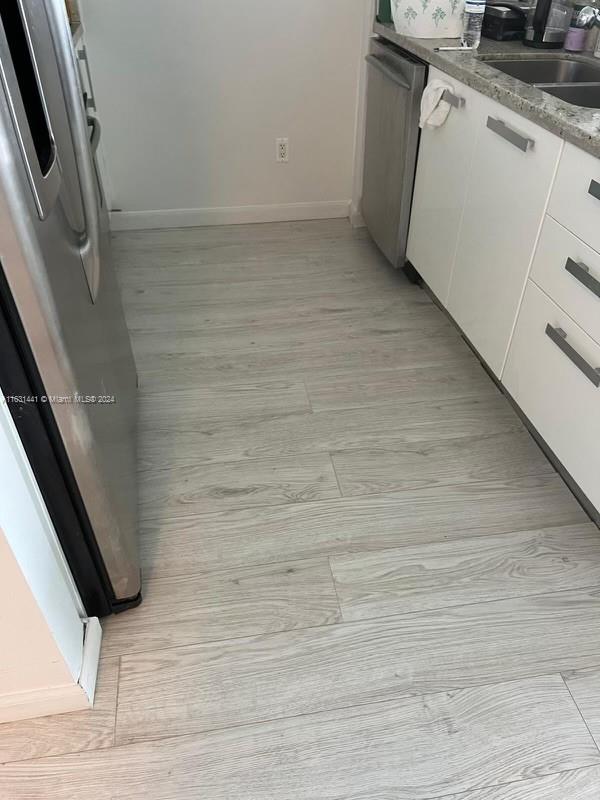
pixel 575 124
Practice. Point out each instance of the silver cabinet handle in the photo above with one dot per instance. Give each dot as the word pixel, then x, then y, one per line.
pixel 91 99
pixel 582 273
pixel 594 189
pixel 388 71
pixel 559 337
pixel 502 129
pixel 452 99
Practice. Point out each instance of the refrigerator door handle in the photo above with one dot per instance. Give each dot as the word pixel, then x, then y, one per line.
pixel 73 92
pixel 96 133
pixel 25 94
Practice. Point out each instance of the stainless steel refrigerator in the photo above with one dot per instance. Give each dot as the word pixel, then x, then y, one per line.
pixel 66 366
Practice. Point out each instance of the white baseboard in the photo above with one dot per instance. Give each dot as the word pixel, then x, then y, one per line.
pixel 43 702
pixel 356 218
pixel 49 700
pixel 235 215
pixel 91 657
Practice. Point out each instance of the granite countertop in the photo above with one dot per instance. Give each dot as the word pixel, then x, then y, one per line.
pixel 575 124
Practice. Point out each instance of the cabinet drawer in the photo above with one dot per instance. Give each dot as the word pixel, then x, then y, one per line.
pixel 575 201
pixel 569 271
pixel 552 380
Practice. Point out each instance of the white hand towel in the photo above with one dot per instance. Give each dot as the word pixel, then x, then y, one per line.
pixel 434 110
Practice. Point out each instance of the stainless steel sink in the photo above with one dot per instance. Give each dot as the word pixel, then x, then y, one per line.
pixel 548 70
pixel 574 80
pixel 585 94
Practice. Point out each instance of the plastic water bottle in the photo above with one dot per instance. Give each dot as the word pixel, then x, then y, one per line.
pixel 472 23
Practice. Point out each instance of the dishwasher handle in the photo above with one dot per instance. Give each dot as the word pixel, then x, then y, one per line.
pixel 388 71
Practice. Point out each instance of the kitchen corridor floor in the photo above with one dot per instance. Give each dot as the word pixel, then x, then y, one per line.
pixel 363 580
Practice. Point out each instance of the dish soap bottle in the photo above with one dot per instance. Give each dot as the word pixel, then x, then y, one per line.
pixel 472 23
pixel 577 34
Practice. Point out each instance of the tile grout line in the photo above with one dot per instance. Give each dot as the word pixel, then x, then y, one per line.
pixel 533 475
pixel 209 642
pixel 287 373
pixel 483 392
pixel 309 454
pixel 349 623
pixel 362 552
pixel 293 458
pixel 397 698
pixel 337 597
pixel 359 318
pixel 362 406
pixel 512 482
pixel 271 720
pixel 583 719
pixel 440 609
pixel 517 783
pixel 308 397
pixel 397 405
pixel 301 559
pixel 337 480
pixel 114 744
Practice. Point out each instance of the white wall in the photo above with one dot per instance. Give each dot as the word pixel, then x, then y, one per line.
pixel 193 93
pixel 42 653
pixel 30 657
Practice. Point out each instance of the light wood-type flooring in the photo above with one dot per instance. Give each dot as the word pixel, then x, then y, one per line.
pixel 362 578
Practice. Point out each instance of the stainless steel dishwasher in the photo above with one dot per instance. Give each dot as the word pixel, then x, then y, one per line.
pixel 395 84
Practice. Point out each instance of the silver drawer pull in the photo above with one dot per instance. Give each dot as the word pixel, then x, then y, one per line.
pixel 502 129
pixel 453 99
pixel 582 273
pixel 559 337
pixel 594 189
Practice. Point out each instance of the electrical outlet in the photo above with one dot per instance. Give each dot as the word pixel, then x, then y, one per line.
pixel 283 150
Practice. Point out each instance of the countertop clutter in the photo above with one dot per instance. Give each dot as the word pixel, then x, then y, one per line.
pixel 580 126
pixel 73 12
pixel 74 20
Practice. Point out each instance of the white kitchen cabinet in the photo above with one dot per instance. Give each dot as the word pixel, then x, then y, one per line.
pixel 491 190
pixel 575 201
pixel 569 272
pixel 511 176
pixel 441 183
pixel 552 373
pixel 482 188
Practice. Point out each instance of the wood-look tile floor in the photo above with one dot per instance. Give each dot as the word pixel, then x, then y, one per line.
pixel 362 578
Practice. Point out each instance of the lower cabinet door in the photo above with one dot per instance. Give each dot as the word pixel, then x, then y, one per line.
pixel 443 166
pixel 552 372
pixel 509 186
